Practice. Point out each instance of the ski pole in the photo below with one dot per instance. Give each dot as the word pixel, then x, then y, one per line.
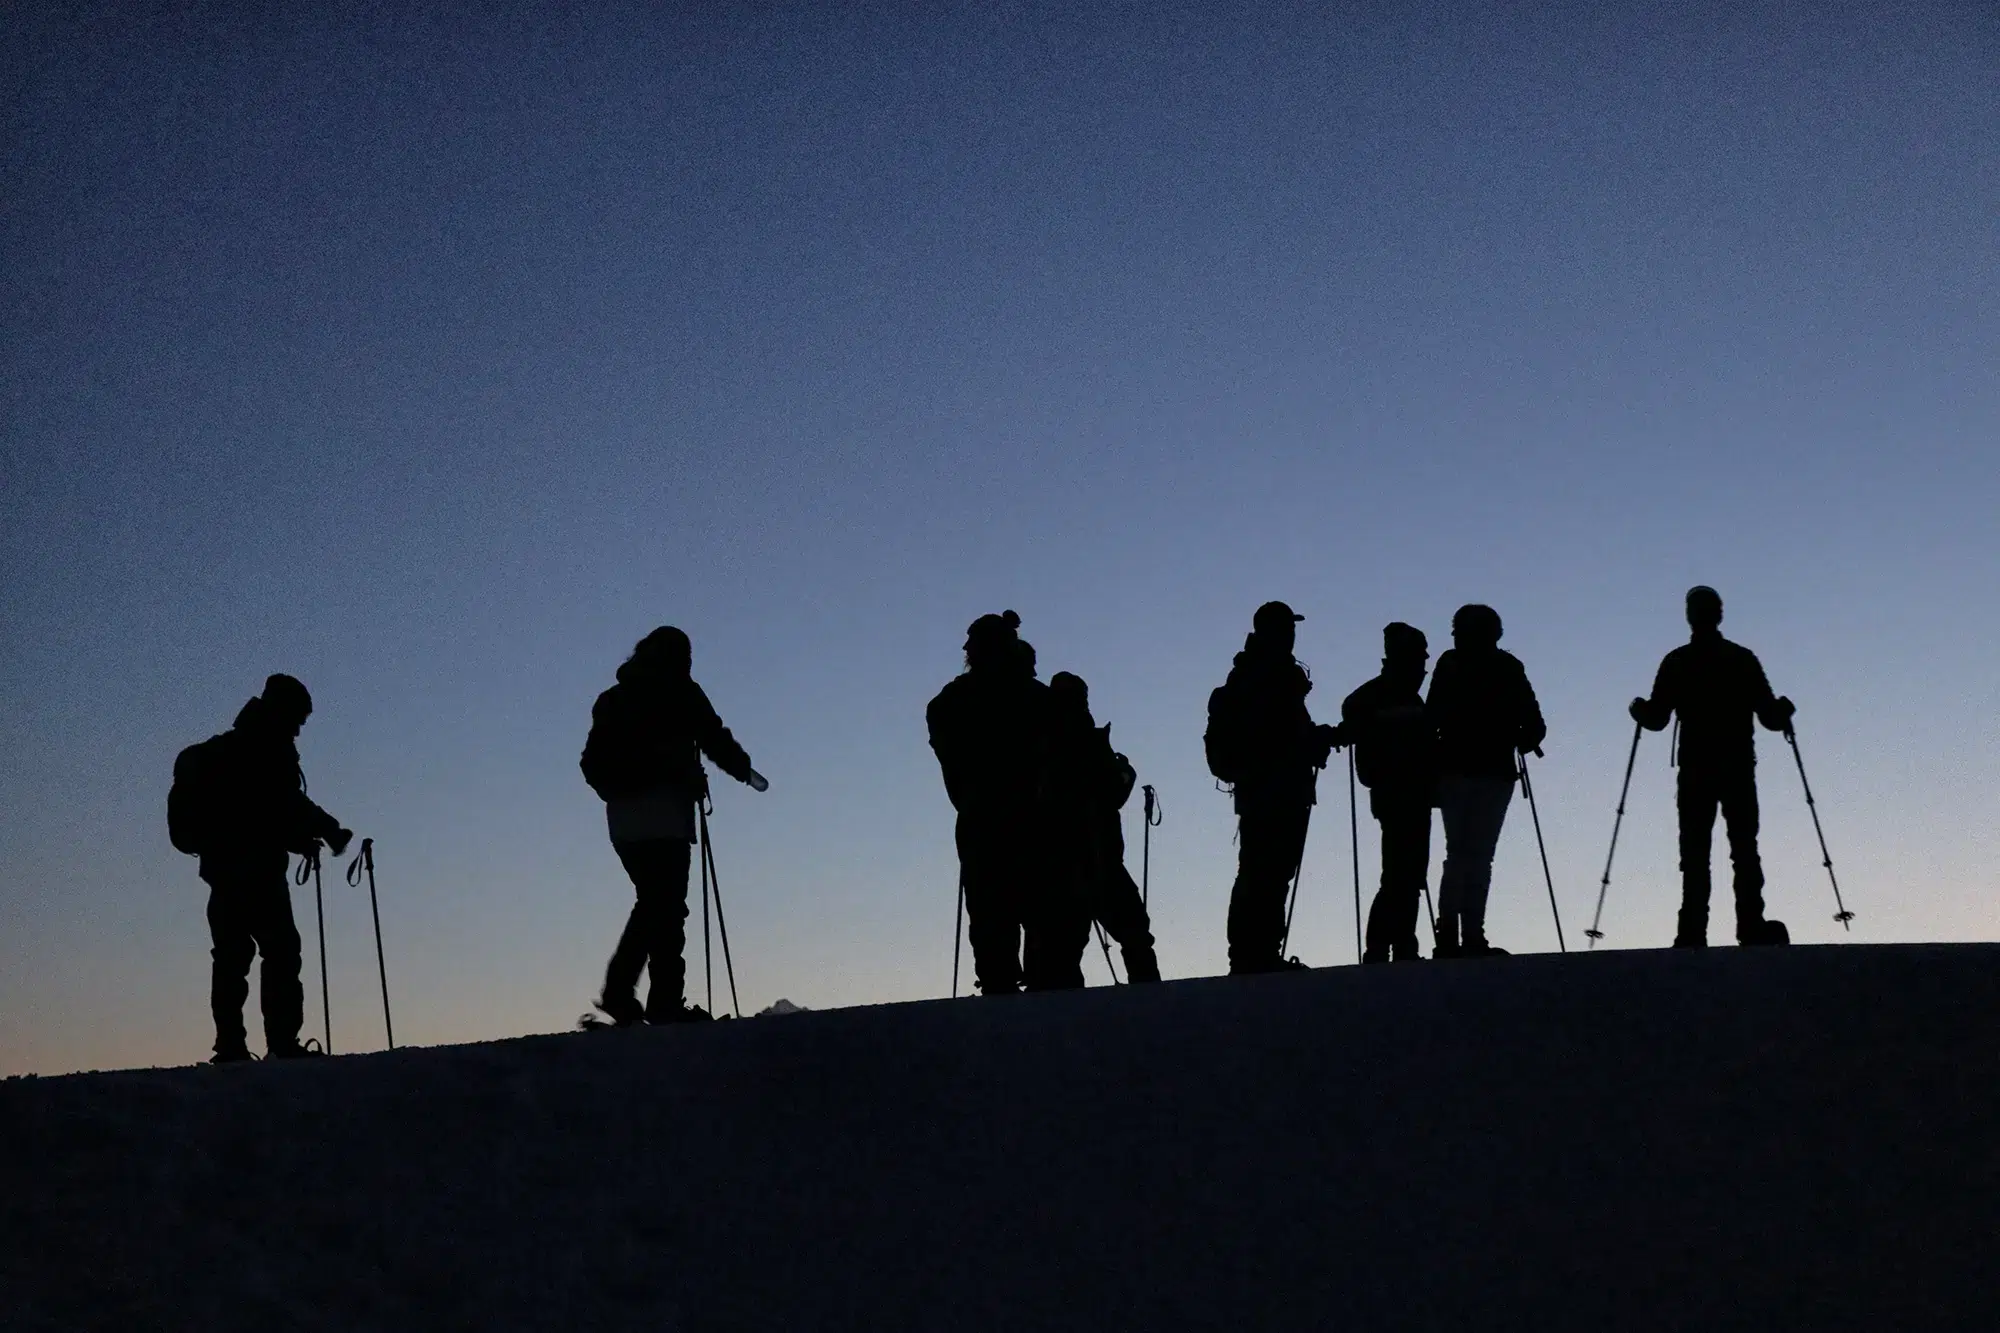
pixel 957 934
pixel 1528 786
pixel 1298 872
pixel 1840 913
pixel 1354 840
pixel 1597 918
pixel 1106 946
pixel 310 864
pixel 366 860
pixel 721 921
pixel 1153 816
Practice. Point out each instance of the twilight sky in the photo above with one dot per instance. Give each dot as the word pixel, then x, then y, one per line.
pixel 436 361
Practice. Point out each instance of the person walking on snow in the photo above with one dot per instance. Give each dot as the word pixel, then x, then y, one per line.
pixel 1715 688
pixel 1263 742
pixel 239 803
pixel 1483 711
pixel 1395 756
pixel 1088 784
pixel 648 734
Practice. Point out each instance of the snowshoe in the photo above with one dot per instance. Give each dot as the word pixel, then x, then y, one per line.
pixel 687 1013
pixel 234 1055
pixel 308 1049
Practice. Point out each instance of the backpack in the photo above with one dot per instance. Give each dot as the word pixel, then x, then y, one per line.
pixel 191 801
pixel 1223 742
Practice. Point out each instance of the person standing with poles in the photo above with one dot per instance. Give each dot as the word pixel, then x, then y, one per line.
pixel 648 734
pixel 239 802
pixel 1395 757
pixel 1715 687
pixel 1088 786
pixel 989 728
pixel 1262 741
pixel 1484 714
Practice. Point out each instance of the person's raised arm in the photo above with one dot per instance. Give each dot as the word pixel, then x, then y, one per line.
pixel 716 742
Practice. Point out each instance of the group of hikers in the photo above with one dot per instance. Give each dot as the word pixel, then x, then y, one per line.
pixel 1039 790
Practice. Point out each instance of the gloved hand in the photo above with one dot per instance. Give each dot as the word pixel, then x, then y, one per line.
pixel 337 842
pixel 1637 711
pixel 757 781
pixel 1785 708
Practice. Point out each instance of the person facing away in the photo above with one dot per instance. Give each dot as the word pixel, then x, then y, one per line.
pixel 1263 742
pixel 1484 714
pixel 1395 756
pixel 1088 784
pixel 989 730
pixel 648 734
pixel 239 803
pixel 1715 687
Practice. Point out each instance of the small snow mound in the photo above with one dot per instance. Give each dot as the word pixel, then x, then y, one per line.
pixel 781 1007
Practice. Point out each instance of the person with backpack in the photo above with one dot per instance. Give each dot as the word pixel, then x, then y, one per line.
pixel 989 727
pixel 648 734
pixel 1485 716
pixel 239 803
pixel 1088 784
pixel 1263 743
pixel 1715 687
pixel 1395 757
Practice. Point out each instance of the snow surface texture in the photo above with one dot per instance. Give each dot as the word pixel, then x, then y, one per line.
pixel 1781 1139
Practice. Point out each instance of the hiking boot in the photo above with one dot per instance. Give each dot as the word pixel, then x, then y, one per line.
pixel 1481 949
pixel 1764 933
pixel 1407 952
pixel 1375 956
pixel 687 1013
pixel 231 1055
pixel 622 1010
pixel 1685 942
pixel 1141 964
pixel 308 1049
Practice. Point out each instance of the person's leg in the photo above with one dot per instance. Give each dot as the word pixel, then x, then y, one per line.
pixel 1738 798
pixel 1695 800
pixel 1271 843
pixel 1454 808
pixel 231 951
pixel 659 871
pixel 619 998
pixel 1406 858
pixel 279 985
pixel 992 903
pixel 1487 812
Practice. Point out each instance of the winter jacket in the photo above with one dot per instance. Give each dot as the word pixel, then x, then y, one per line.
pixel 1482 710
pixel 1716 687
pixel 990 731
pixel 648 734
pixel 1261 738
pixel 1395 751
pixel 253 793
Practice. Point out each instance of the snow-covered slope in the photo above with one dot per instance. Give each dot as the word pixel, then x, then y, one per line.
pixel 1784 1139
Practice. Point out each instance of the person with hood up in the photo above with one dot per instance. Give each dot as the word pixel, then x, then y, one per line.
pixel 1088 784
pixel 648 734
pixel 1715 687
pixel 1395 756
pixel 1485 716
pixel 989 729
pixel 1263 743
pixel 239 803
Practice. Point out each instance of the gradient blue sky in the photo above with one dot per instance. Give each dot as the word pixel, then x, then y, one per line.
pixel 436 361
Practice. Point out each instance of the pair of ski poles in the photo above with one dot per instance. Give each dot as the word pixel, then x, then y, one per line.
pixel 1152 815
pixel 711 883
pixel 364 861
pixel 1840 912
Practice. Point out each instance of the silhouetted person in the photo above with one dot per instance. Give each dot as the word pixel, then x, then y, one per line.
pixel 1395 756
pixel 1484 714
pixel 1088 784
pixel 648 734
pixel 989 729
pixel 240 803
pixel 1715 687
pixel 1262 741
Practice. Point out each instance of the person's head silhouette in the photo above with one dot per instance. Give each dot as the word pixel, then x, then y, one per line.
pixel 286 702
pixel 1275 626
pixel 994 642
pixel 1405 650
pixel 1475 626
pixel 1704 609
pixel 668 649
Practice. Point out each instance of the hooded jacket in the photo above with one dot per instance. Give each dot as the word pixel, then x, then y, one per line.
pixel 989 728
pixel 1483 710
pixel 648 734
pixel 255 806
